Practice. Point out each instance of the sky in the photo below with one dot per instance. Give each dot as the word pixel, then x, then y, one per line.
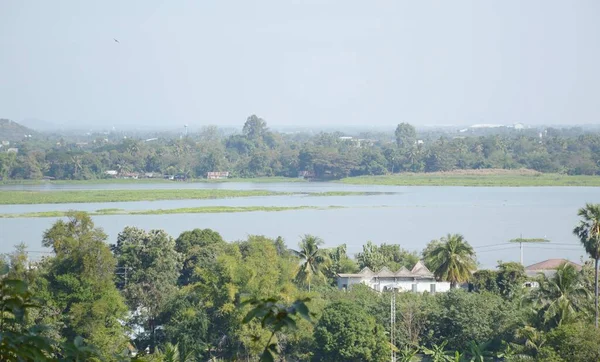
pixel 300 63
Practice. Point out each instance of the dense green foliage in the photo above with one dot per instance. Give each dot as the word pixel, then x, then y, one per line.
pixel 151 297
pixel 260 152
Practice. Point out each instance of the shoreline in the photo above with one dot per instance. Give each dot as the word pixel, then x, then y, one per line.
pixel 469 178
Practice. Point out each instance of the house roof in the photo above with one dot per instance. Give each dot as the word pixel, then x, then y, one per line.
pixel 421 269
pixel 418 271
pixel 551 264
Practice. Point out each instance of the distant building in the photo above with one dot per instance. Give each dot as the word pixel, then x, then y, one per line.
pixel 113 173
pixel 5 143
pixel 12 150
pixel 217 175
pixel 129 175
pixel 417 280
pixel 306 174
pixel 547 268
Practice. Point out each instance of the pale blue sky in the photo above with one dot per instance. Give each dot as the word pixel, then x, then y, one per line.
pixel 300 62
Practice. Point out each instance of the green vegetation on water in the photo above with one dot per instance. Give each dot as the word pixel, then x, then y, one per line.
pixel 85 196
pixel 183 210
pixel 490 180
pixel 102 181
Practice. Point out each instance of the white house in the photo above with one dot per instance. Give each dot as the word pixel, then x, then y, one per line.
pixel 419 279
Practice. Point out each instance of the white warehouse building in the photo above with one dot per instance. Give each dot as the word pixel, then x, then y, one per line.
pixel 417 280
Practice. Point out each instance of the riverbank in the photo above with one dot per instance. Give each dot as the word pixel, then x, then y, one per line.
pixel 483 178
pixel 185 210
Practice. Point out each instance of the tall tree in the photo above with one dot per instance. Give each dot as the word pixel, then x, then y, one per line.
pixel 406 135
pixel 148 270
pixel 588 232
pixel 198 248
pixel 452 260
pixel 312 259
pixel 80 283
pixel 255 128
pixel 347 332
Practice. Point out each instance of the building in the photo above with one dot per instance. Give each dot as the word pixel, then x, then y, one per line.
pixel 306 174
pixel 547 268
pixel 417 280
pixel 217 175
pixel 113 173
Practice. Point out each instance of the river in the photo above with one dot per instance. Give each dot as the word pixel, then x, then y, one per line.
pixel 407 215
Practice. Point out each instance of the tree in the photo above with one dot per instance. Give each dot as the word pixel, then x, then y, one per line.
pixel 347 332
pixel 406 135
pixel 79 284
pixel 510 278
pixel 312 259
pixel 575 342
pixel 275 317
pixel 185 324
pixel 588 232
pixel 17 342
pixel 391 256
pixel 560 297
pixel 255 128
pixel 453 260
pixel 460 318
pixel 198 248
pixel 149 267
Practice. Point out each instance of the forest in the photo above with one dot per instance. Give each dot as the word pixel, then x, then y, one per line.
pixel 148 296
pixel 259 152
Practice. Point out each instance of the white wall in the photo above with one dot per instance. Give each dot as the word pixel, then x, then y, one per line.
pixel 403 285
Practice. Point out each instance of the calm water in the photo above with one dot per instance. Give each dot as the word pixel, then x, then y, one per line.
pixel 411 216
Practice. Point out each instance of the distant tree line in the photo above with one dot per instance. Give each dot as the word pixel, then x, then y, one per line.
pixel 150 297
pixel 260 152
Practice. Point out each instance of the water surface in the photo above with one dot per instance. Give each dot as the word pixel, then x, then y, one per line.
pixel 411 216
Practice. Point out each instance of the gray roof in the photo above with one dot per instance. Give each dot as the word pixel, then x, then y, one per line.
pixel 418 271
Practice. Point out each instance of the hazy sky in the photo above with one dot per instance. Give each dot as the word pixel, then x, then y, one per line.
pixel 300 62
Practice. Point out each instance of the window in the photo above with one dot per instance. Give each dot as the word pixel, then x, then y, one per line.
pixel 432 288
pixel 414 288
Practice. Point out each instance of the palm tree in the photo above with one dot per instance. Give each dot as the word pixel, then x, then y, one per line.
pixel 588 232
pixel 311 259
pixel 452 260
pixel 559 297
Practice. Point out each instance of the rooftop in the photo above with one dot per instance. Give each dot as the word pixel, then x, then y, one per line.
pixel 550 264
pixel 418 271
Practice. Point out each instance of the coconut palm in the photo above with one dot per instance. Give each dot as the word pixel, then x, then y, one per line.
pixel 560 297
pixel 312 259
pixel 588 232
pixel 452 260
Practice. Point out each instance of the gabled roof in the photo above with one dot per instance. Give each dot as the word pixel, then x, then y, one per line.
pixel 366 271
pixel 551 264
pixel 418 271
pixel 421 269
pixel 385 272
pixel 403 272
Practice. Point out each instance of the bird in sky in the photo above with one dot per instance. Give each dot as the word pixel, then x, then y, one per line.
pixel 116 41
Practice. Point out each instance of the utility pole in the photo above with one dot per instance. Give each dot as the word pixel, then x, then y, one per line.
pixel 393 324
pixel 521 240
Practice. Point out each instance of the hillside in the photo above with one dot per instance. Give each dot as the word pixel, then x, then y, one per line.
pixel 12 131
